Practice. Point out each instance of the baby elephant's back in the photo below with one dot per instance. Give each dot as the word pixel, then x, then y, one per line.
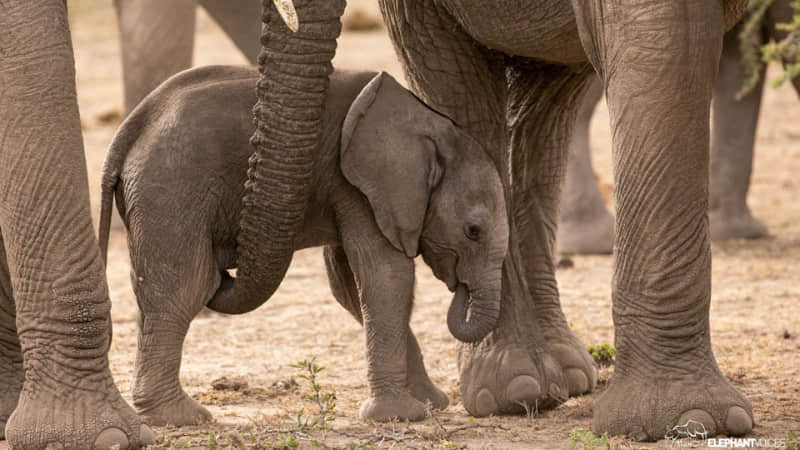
pixel 192 149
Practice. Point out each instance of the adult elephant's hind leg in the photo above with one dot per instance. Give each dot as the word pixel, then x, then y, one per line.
pixel 511 369
pixel 585 225
pixel 11 374
pixel 732 142
pixel 157 40
pixel 343 286
pixel 659 98
pixel 543 100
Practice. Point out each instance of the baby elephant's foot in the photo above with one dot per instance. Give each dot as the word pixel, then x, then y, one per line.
pixel 179 412
pixel 427 391
pixel 396 405
pixel 653 409
pixel 579 368
pixel 9 394
pixel 504 378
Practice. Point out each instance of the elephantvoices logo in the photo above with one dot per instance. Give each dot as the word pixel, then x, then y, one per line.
pixel 688 435
pixel 693 434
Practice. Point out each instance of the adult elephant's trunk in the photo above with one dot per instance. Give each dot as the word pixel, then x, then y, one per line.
pixel 294 80
pixel 484 309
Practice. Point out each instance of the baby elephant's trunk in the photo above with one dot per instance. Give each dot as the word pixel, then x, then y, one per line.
pixel 483 306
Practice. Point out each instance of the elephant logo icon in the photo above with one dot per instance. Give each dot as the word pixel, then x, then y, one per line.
pixel 691 430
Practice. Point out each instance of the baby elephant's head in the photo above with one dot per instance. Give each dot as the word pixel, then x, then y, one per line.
pixel 433 190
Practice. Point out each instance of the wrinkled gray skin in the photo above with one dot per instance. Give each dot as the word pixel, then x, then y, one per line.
pixel 586 226
pixel 54 308
pixel 403 181
pixel 157 38
pixel 658 61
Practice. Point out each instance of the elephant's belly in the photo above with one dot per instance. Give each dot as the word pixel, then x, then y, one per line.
pixel 540 29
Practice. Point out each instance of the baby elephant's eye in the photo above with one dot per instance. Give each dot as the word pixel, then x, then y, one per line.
pixel 472 231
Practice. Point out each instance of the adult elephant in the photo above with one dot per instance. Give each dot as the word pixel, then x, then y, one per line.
pixel 586 226
pixel 157 38
pixel 54 309
pixel 658 61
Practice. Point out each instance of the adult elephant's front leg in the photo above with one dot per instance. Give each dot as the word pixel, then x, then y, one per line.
pixel 543 100
pixel 68 399
pixel 659 61
pixel 511 369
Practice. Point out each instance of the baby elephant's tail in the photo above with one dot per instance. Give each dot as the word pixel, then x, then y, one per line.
pixel 126 136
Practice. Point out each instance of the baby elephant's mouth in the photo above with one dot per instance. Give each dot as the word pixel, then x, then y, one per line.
pixel 452 285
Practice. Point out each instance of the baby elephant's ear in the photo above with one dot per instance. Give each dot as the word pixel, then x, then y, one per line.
pixel 388 156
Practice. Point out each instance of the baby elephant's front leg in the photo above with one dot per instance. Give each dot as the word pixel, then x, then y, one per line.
pixel 386 280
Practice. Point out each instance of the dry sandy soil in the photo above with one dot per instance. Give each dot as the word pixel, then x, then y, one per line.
pixel 755 309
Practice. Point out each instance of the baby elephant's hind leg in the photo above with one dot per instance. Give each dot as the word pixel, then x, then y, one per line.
pixel 343 286
pixel 11 374
pixel 170 293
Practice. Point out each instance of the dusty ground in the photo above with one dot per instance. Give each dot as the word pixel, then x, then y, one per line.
pixel 756 295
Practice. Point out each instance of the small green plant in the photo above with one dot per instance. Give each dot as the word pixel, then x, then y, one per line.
pixel 603 354
pixel 288 441
pixel 792 442
pixel 325 402
pixel 212 441
pixel 755 55
pixel 582 439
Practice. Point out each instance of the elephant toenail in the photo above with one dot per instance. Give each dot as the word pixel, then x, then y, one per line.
pixel 111 437
pixel 738 421
pixel 577 381
pixel 696 423
pixel 146 436
pixel 485 403
pixel 524 389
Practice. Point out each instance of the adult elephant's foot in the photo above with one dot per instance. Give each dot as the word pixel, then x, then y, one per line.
pixel 588 233
pixel 503 377
pixel 741 225
pixel 91 414
pixel 387 406
pixel 652 408
pixel 180 410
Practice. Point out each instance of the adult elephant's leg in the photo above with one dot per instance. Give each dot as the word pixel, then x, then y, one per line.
pixel 585 225
pixel 57 275
pixel 345 291
pixel 157 40
pixel 659 98
pixel 732 141
pixel 11 374
pixel 543 101
pixel 510 369
pixel 241 21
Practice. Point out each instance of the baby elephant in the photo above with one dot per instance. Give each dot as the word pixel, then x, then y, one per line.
pixel 392 179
